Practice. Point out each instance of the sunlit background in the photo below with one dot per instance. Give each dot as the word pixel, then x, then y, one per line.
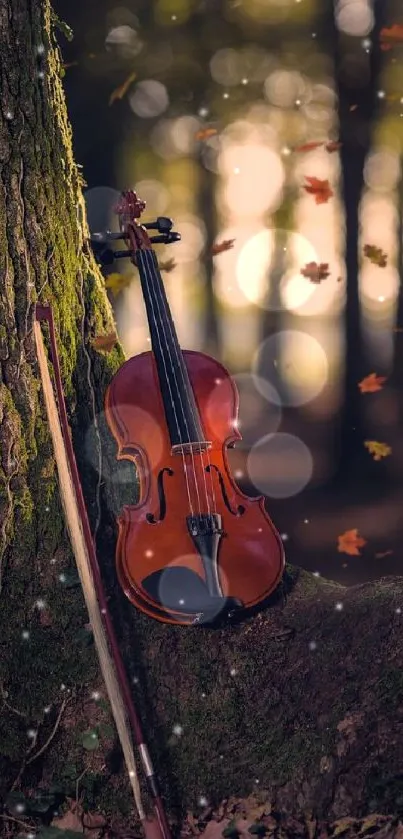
pixel 211 131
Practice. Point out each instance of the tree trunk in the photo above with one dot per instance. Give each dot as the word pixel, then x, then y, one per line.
pixel 307 700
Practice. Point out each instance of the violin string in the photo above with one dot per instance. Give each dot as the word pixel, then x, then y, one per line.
pixel 195 420
pixel 149 286
pixel 149 255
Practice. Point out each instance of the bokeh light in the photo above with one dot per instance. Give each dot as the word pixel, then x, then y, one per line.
pixel 280 465
pixel 149 98
pixel 298 358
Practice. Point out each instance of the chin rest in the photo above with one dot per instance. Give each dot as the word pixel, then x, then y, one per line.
pixel 182 590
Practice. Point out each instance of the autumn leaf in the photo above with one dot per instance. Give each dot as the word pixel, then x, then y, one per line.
pixel 310 146
pixel 71 820
pixel 69 64
pixel 121 91
pixel 333 146
pixel 376 255
pixel 391 36
pixel 222 246
pixel 320 189
pixel 350 542
pixel 168 265
pixel 104 342
pixel 372 383
pixel 117 282
pixel 205 133
pixel 378 450
pixel 314 272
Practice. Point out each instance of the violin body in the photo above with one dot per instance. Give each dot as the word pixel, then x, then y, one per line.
pixel 250 558
pixel 194 549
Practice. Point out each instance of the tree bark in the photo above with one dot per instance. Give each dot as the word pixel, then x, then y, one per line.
pixel 307 700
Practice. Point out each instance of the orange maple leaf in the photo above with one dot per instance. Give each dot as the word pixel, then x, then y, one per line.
pixel 378 450
pixel 391 36
pixel 226 245
pixel 314 272
pixel 205 133
pixel 168 265
pixel 104 342
pixel 350 542
pixel 332 146
pixel 320 189
pixel 376 255
pixel 310 146
pixel 372 383
pixel 121 91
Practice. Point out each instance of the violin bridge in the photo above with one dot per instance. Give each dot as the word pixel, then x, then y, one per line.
pixel 188 448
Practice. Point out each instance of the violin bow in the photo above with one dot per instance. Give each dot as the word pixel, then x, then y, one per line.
pixel 111 662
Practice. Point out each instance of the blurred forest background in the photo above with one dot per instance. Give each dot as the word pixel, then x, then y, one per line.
pixel 208 108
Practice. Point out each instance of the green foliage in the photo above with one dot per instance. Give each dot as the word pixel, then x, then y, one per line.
pixel 62 26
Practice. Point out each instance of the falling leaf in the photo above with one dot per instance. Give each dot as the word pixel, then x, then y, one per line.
pixel 310 146
pixel 350 542
pixel 121 91
pixel 391 36
pixel 383 554
pixel 104 342
pixel 353 107
pixel 117 282
pixel 376 255
pixel 378 450
pixel 320 189
pixel 168 265
pixel 70 64
pixel 314 272
pixel 333 146
pixel 205 133
pixel 372 383
pixel 226 245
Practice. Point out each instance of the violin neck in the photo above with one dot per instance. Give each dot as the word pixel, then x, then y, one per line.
pixel 182 415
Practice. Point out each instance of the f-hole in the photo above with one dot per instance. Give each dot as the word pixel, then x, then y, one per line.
pixel 161 496
pixel 240 509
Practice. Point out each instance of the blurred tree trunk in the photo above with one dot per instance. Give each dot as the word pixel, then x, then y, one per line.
pixel 357 111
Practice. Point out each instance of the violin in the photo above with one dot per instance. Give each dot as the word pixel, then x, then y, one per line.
pixel 194 549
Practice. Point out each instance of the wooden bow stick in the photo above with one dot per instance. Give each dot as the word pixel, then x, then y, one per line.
pixel 110 660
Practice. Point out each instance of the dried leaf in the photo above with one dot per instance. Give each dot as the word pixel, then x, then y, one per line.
pixel 372 383
pixel 226 245
pixel 350 542
pixel 121 91
pixel 333 146
pixel 72 819
pixel 117 282
pixel 378 450
pixel 310 146
pixel 168 265
pixel 391 36
pixel 93 824
pixel 320 189
pixel 376 255
pixel 341 825
pixel 314 272
pixel 104 342
pixel 205 133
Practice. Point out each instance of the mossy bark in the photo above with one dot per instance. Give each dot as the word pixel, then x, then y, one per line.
pixel 306 701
